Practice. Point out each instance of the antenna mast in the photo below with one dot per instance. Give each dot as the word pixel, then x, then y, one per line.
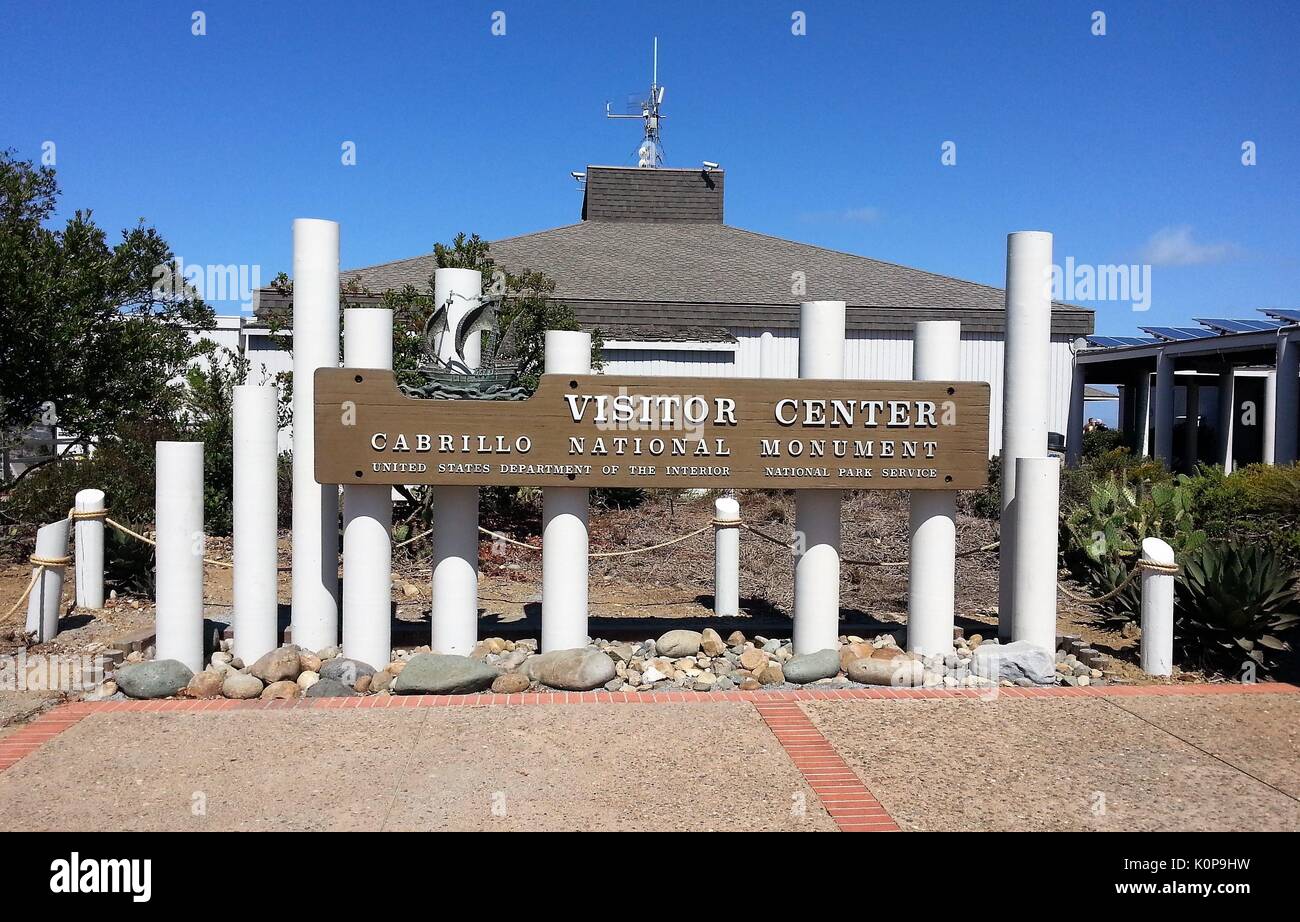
pixel 650 154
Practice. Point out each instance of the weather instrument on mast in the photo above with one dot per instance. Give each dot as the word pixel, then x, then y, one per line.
pixel 651 153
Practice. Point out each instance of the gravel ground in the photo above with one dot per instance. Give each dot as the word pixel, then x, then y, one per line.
pixel 1079 764
pixel 633 767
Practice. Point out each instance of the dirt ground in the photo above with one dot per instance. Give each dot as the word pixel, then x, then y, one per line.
pixel 641 593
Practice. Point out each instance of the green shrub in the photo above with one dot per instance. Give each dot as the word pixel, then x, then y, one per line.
pixel 1235 599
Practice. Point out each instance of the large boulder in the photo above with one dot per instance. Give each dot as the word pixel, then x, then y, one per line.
pixel 679 643
pixel 894 671
pixel 241 685
pixel 1013 661
pixel 581 669
pixel 159 678
pixel 330 688
pixel 811 666
pixel 345 670
pixel 206 684
pixel 444 674
pixel 854 651
pixel 512 683
pixel 281 664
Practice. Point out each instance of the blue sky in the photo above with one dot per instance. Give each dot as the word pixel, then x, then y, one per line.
pixel 1127 146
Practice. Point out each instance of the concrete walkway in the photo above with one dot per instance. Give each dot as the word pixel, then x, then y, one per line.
pixel 1209 757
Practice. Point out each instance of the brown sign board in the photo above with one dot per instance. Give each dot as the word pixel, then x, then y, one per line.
pixel 630 431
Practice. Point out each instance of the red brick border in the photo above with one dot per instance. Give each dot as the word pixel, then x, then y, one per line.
pixel 50 724
pixel 849 802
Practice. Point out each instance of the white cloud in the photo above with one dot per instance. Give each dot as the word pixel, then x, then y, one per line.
pixel 863 215
pixel 1176 246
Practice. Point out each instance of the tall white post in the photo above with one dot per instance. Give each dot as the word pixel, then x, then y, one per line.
pixel 564 522
pixel 1157 653
pixel 817 512
pixel 256 526
pixel 1038 486
pixel 931 584
pixel 1286 399
pixel 1026 362
pixel 1227 416
pixel 1192 426
pixel 178 515
pixel 726 556
pixel 1268 440
pixel 315 506
pixel 1164 409
pixel 1074 428
pixel 89 506
pixel 455 508
pixel 368 513
pixel 47 592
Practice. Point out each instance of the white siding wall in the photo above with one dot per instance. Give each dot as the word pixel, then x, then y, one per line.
pixel 704 363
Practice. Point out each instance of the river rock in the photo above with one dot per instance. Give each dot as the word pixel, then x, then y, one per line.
pixel 241 685
pixel 160 678
pixel 812 666
pixel 854 651
pixel 888 652
pixel 1013 661
pixel 512 683
pixel 736 639
pixel 285 689
pixel 446 674
pixel 330 688
pixel 581 669
pixel 711 642
pixel 347 671
pixel 679 643
pixel 309 662
pixel 753 659
pixel 278 665
pixel 206 684
pixel 307 679
pixel 771 675
pixel 896 671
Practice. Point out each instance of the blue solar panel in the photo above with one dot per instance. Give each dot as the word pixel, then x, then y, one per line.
pixel 1177 334
pixel 1239 326
pixel 1108 342
pixel 1286 315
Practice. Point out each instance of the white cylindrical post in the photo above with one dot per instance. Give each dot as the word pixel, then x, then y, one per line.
pixel 817 512
pixel 767 367
pixel 931 585
pixel 1270 428
pixel 1038 484
pixel 1142 415
pixel 178 515
pixel 1227 416
pixel 1164 409
pixel 455 509
pixel 315 505
pixel 564 522
pixel 1074 428
pixel 1157 654
pixel 368 513
pixel 1026 363
pixel 256 529
pixel 1286 399
pixel 47 591
pixel 89 506
pixel 726 556
pixel 460 290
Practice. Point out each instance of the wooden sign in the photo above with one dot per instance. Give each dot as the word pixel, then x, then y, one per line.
pixel 620 431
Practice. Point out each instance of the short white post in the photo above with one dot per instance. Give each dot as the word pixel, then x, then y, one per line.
pixel 726 556
pixel 1286 399
pixel 931 584
pixel 1074 428
pixel 1227 416
pixel 1270 422
pixel 817 512
pixel 767 355
pixel 47 592
pixel 315 506
pixel 256 526
pixel 368 513
pixel 564 522
pixel 1164 409
pixel 1038 485
pixel 454 609
pixel 1026 362
pixel 89 506
pixel 178 515
pixel 1157 653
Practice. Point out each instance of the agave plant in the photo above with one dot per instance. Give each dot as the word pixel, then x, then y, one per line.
pixel 1236 599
